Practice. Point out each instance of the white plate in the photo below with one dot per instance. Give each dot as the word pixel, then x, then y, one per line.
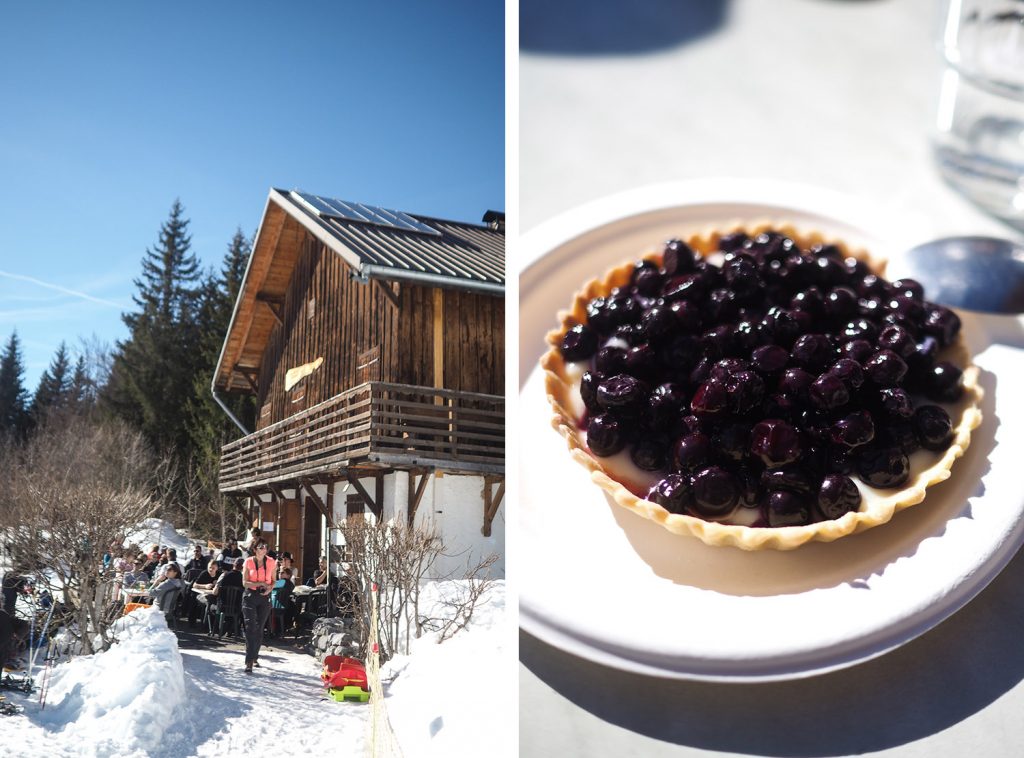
pixel 609 586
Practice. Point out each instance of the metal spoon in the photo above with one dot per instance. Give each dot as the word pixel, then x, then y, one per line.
pixel 975 273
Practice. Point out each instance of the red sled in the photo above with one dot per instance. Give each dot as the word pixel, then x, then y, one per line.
pixel 339 672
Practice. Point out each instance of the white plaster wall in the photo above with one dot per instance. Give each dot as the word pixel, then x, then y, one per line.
pixel 455 505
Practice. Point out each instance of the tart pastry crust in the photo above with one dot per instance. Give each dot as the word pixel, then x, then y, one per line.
pixel 877 506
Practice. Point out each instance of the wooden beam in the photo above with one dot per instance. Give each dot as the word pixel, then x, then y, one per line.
pixel 375 506
pixel 393 296
pixel 274 304
pixel 416 492
pixel 320 505
pixel 438 341
pixel 492 501
pixel 251 375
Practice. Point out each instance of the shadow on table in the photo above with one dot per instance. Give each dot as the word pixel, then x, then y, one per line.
pixel 612 27
pixel 930 684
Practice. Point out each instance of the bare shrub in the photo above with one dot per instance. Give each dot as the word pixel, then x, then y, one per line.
pixel 458 605
pixel 66 495
pixel 397 558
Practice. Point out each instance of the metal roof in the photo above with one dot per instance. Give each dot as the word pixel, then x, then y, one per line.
pixel 462 255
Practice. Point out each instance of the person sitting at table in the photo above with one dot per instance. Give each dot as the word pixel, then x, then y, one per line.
pixel 149 562
pixel 229 554
pixel 230 578
pixel 133 576
pixel 281 598
pixel 287 562
pixel 198 562
pixel 319 578
pixel 164 590
pixel 170 558
pixel 205 581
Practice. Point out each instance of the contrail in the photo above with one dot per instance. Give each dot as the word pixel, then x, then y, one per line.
pixel 58 288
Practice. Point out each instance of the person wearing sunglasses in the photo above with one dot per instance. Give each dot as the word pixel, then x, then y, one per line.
pixel 257 579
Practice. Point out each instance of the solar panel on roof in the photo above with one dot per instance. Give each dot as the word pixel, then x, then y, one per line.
pixel 327 207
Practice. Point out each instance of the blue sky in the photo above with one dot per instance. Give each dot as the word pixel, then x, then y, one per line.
pixel 109 111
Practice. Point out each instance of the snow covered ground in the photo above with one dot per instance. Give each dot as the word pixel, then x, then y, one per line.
pixel 145 697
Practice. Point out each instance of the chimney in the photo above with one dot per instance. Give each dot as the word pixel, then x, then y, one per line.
pixel 495 220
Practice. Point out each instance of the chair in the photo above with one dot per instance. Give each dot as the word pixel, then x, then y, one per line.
pixel 191 575
pixel 279 613
pixel 229 607
pixel 317 605
pixel 171 615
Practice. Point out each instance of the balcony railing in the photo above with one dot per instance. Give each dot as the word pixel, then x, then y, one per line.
pixel 394 425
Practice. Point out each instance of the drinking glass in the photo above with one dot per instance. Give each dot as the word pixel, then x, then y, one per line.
pixel 979 139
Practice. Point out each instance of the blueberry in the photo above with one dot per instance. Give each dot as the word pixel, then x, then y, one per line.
pixel 726 367
pixel 605 435
pixel 620 391
pixel 933 427
pixel 666 403
pixel 672 493
pixel 691 452
pixel 829 271
pixel 769 359
pixel 859 328
pixel 813 352
pixel 941 323
pixel 715 492
pixel 775 442
pixel 657 323
pixel 849 371
pixel 908 288
pixel 588 389
pixel 711 397
pixel 885 368
pixel 685 287
pixel 901 434
pixel 786 509
pixel 746 391
pixel 732 441
pixel 896 402
pixel 828 391
pixel 610 360
pixel 871 286
pixel 649 454
pixel 642 362
pixel 648 281
pixel 789 478
pixel 795 384
pixel 898 340
pixel 780 326
pixel 677 258
pixel 732 242
pixel 841 303
pixel 743 278
pixel 810 300
pixel 838 496
pixel 884 467
pixel 857 349
pixel 579 343
pixel 721 306
pixel 680 354
pixel 687 316
pixel 944 383
pixel 853 430
pixel 718 342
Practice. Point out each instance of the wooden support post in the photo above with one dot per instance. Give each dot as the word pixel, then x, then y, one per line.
pixel 492 501
pixel 416 491
pixel 318 502
pixel 274 304
pixel 374 502
pixel 251 376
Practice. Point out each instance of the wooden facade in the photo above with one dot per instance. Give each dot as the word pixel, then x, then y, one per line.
pixel 358 374
pixel 411 334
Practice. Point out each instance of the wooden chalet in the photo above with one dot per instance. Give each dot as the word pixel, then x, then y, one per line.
pixel 373 341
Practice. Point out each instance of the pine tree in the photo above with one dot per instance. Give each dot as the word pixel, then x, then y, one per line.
pixel 209 426
pixel 13 395
pixel 81 393
pixel 152 374
pixel 53 392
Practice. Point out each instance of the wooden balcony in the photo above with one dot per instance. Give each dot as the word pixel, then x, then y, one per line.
pixel 377 425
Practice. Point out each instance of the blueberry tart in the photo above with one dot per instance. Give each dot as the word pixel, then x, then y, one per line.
pixel 761 387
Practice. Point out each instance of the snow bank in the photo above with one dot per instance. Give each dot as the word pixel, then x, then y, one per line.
pixel 456 698
pixel 119 702
pixel 163 533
